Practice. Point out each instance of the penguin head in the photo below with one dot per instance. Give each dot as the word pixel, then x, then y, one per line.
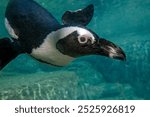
pixel 75 41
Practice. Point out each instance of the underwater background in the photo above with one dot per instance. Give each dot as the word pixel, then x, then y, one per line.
pixel 124 22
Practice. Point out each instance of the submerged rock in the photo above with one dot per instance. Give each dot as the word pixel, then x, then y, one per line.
pixel 60 85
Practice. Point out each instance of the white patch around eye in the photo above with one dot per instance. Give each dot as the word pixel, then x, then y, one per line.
pixel 81 41
pixel 10 29
pixel 85 32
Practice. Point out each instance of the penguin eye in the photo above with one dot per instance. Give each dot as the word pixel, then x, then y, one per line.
pixel 83 39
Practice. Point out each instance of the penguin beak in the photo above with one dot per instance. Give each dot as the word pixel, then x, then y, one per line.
pixel 109 49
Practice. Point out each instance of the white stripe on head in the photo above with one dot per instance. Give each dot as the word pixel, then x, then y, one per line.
pixel 10 29
pixel 63 32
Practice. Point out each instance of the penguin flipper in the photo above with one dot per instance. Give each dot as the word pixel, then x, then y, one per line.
pixel 79 17
pixel 8 51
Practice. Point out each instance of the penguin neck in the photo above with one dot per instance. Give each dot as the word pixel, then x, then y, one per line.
pixel 48 53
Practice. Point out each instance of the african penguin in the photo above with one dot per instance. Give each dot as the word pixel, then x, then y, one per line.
pixel 35 31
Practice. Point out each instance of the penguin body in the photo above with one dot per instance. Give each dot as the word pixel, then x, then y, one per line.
pixel 31 23
pixel 35 31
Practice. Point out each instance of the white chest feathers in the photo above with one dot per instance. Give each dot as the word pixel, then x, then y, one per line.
pixel 48 52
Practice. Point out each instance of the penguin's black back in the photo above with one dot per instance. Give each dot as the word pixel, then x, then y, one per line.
pixel 31 22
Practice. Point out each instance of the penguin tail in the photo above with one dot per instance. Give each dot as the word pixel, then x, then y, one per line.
pixel 8 51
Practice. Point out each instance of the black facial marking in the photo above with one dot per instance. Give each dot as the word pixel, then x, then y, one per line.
pixel 72 47
pixel 66 44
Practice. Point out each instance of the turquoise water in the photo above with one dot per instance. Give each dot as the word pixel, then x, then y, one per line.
pixel 125 22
